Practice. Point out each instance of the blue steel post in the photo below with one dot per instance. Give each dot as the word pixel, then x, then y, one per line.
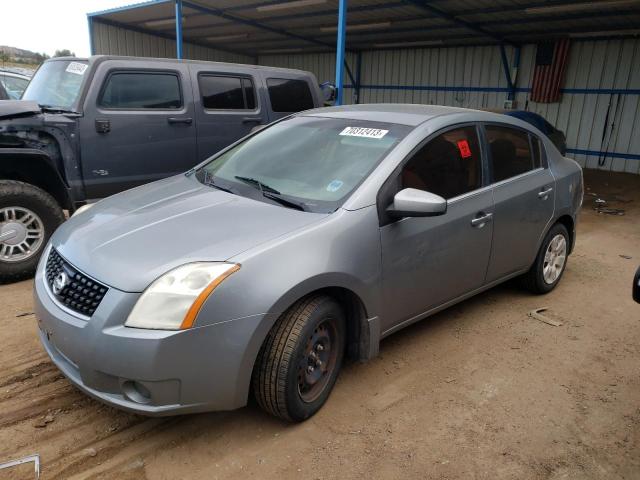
pixel 179 29
pixel 92 46
pixel 340 47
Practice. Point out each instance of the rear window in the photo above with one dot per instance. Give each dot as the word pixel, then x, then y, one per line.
pixel 137 90
pixel 226 93
pixel 288 95
pixel 511 153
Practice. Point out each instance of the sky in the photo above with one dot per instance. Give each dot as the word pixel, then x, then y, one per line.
pixel 50 25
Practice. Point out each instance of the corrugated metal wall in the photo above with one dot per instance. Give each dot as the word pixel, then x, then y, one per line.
pixel 602 76
pixel 112 40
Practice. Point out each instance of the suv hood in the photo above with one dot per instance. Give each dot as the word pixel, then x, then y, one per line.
pixel 128 240
pixel 18 108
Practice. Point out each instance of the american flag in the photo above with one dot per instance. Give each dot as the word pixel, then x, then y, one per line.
pixel 548 75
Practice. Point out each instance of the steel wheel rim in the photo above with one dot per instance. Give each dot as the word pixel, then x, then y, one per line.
pixel 555 258
pixel 318 361
pixel 21 234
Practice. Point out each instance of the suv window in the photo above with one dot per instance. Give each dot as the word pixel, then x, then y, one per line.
pixel 136 90
pixel 226 93
pixel 449 165
pixel 288 95
pixel 510 152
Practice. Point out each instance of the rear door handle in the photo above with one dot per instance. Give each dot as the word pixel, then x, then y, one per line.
pixel 545 193
pixel 480 220
pixel 251 120
pixel 185 120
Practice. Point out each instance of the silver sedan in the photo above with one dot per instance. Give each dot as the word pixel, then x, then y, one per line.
pixel 262 269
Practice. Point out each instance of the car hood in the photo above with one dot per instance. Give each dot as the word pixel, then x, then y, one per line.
pixel 18 108
pixel 128 240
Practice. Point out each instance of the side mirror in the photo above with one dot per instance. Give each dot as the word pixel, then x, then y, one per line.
pixel 636 286
pixel 412 202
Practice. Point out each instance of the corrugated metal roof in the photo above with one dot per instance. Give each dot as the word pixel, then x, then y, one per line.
pixel 255 27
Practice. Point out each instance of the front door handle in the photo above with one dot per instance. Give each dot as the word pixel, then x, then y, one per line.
pixel 103 125
pixel 481 219
pixel 251 120
pixel 185 120
pixel 545 193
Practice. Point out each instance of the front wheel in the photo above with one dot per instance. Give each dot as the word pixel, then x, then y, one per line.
pixel 300 359
pixel 28 217
pixel 551 261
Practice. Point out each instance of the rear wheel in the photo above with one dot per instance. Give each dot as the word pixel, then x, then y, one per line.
pixel 28 217
pixel 300 359
pixel 551 261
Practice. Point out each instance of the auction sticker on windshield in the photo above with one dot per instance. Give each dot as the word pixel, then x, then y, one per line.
pixel 364 132
pixel 77 68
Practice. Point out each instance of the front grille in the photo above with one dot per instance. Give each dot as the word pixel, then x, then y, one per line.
pixel 72 288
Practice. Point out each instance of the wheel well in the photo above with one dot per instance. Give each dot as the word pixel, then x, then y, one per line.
pixel 356 315
pixel 35 171
pixel 569 224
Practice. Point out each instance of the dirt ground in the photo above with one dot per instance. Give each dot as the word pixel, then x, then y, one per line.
pixel 478 391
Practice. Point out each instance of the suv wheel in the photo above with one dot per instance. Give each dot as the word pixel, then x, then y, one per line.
pixel 300 359
pixel 28 217
pixel 551 261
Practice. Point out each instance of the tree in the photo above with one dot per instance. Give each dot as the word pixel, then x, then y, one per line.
pixel 64 53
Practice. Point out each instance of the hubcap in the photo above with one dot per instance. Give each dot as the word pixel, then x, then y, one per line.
pixel 21 234
pixel 554 259
pixel 318 361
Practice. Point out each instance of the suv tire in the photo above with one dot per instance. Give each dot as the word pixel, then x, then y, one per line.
pixel 300 359
pixel 28 217
pixel 547 270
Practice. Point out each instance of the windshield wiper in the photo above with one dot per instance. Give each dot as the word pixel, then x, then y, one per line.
pixel 208 181
pixel 284 201
pixel 51 108
pixel 257 183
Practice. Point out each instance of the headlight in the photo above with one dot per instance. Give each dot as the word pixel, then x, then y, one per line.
pixel 173 301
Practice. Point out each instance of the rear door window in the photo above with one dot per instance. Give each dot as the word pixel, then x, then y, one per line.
pixel 510 151
pixel 141 90
pixel 226 93
pixel 288 95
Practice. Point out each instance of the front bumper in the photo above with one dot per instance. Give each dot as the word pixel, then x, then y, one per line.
pixel 151 372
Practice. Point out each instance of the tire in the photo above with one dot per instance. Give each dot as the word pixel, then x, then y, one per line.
pixel 32 213
pixel 283 377
pixel 535 279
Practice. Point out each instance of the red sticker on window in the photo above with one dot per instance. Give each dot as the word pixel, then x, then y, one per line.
pixel 463 146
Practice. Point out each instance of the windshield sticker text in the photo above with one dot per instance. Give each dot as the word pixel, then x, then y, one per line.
pixel 77 68
pixel 364 132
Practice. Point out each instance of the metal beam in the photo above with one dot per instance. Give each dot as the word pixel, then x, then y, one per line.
pixel 507 72
pixel 92 47
pixel 222 14
pixel 166 36
pixel 179 29
pixel 356 84
pixel 340 48
pixel 425 5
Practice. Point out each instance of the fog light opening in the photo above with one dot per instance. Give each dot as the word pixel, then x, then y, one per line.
pixel 136 392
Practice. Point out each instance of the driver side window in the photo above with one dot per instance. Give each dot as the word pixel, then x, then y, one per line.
pixel 449 165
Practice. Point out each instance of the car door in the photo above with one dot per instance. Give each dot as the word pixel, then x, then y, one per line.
pixel 227 108
pixel 138 126
pixel 524 197
pixel 428 261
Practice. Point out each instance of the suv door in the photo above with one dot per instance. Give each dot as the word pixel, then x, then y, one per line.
pixel 227 108
pixel 523 193
pixel 428 261
pixel 138 126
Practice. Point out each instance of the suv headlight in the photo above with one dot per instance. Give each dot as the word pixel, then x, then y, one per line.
pixel 172 302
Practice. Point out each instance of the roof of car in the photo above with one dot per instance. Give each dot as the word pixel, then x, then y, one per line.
pixel 102 58
pixel 401 113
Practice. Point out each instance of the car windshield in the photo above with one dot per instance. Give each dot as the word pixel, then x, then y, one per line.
pixel 56 84
pixel 14 86
pixel 309 163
